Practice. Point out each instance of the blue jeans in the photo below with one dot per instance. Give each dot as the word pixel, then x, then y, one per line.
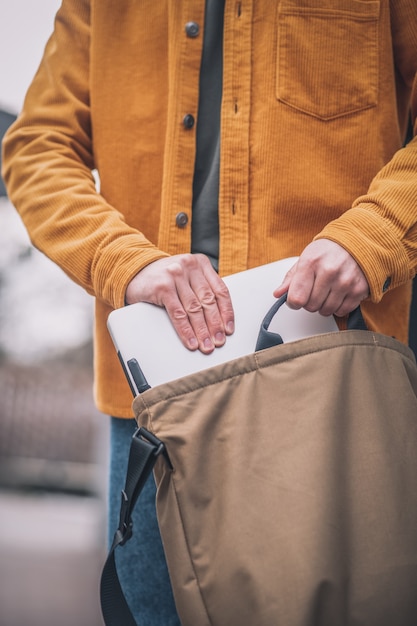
pixel 141 561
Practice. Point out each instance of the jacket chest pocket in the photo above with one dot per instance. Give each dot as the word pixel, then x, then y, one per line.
pixel 327 56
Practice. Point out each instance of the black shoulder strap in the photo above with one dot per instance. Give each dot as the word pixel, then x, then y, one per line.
pixel 144 451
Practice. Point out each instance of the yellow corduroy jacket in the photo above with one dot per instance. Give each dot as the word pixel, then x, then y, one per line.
pixel 316 98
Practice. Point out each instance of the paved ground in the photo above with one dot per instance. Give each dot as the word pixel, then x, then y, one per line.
pixel 51 554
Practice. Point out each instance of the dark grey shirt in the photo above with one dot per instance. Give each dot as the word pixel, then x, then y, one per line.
pixel 205 219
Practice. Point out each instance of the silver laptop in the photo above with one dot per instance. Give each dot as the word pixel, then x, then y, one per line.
pixel 151 352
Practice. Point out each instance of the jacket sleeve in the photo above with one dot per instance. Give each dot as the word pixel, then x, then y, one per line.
pixel 48 159
pixel 380 230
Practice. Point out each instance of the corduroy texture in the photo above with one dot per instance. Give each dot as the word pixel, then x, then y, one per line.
pixel 293 494
pixel 314 106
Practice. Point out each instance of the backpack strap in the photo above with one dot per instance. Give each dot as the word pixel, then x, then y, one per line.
pixel 145 449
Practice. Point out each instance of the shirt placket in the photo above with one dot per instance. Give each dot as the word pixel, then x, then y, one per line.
pixel 186 27
pixel 234 166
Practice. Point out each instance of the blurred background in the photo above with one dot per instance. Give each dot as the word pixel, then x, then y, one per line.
pixel 53 442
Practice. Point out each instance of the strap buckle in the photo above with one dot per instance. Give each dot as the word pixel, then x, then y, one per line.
pixel 125 528
pixel 159 447
pixel 145 449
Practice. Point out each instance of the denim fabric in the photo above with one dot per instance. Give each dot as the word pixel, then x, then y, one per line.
pixel 140 562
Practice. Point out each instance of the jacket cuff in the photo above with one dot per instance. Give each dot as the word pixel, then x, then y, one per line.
pixel 123 259
pixel 375 246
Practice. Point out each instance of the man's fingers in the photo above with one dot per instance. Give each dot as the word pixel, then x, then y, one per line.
pixel 196 316
pixel 327 279
pixel 207 302
pixel 194 296
pixel 298 283
pixel 284 286
pixel 187 316
pixel 222 301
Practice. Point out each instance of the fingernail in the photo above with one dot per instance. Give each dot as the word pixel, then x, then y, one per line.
pixel 219 339
pixel 230 327
pixel 208 343
pixel 193 343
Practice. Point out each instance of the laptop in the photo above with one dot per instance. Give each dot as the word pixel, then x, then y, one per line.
pixel 151 353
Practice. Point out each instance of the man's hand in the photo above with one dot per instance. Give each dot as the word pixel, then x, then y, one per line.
pixel 326 278
pixel 194 296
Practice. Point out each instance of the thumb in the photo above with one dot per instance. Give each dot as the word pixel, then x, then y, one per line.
pixel 284 286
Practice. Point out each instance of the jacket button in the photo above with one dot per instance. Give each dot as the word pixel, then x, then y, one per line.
pixel 192 29
pixel 188 121
pixel 181 219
